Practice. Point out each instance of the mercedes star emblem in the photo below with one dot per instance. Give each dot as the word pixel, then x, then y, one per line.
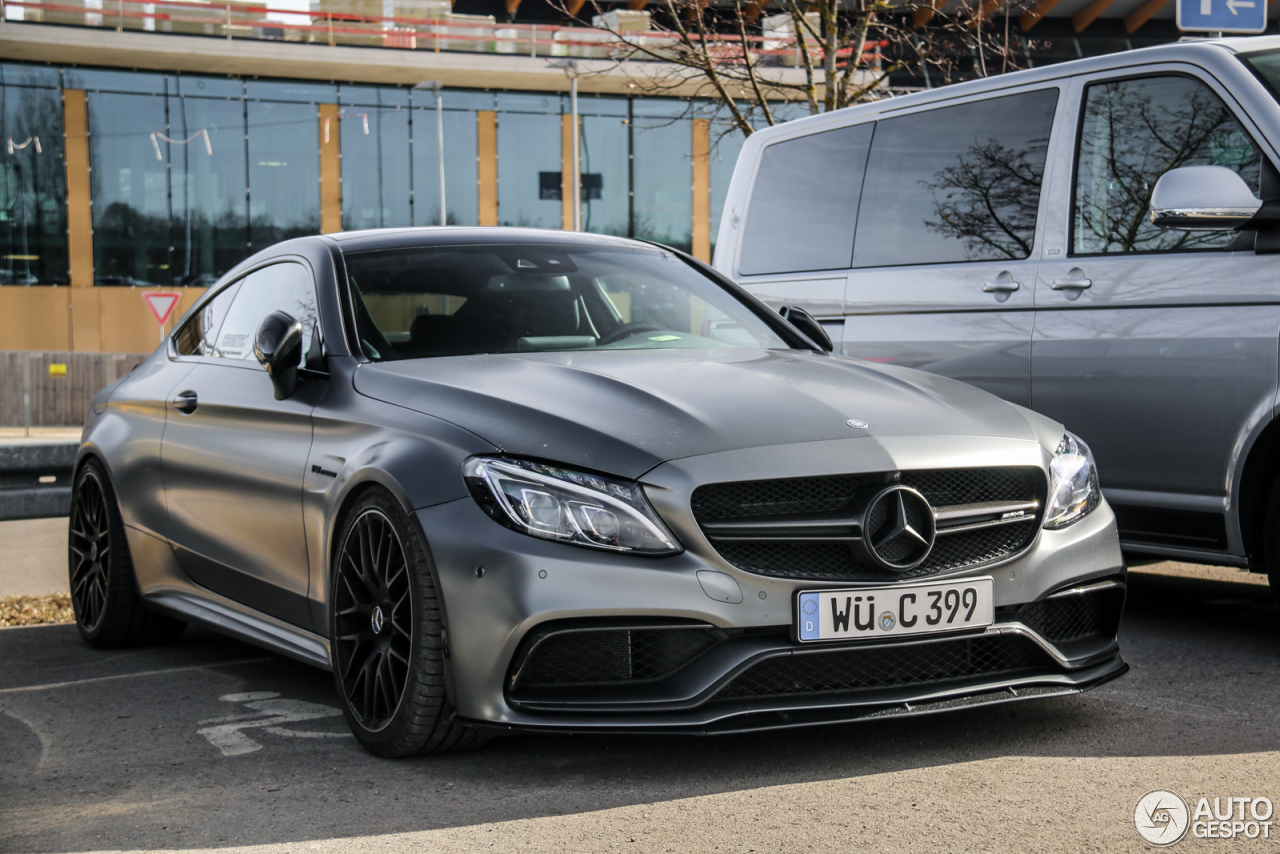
pixel 898 528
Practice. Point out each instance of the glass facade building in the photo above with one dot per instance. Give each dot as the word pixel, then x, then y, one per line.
pixel 188 174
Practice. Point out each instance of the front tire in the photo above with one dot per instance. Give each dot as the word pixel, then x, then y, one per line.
pixel 109 609
pixel 386 631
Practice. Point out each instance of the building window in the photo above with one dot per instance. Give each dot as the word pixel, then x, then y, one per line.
pixel 130 156
pixel 662 148
pixel 284 171
pixel 206 150
pixel 33 188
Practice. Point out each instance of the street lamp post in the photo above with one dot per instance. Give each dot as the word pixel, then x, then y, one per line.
pixel 438 88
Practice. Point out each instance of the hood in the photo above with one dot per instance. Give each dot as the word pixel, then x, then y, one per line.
pixel 623 412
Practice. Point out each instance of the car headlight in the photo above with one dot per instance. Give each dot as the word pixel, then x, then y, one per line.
pixel 569 506
pixel 1073 484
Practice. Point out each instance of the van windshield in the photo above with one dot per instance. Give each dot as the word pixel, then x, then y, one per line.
pixel 466 300
pixel 1266 65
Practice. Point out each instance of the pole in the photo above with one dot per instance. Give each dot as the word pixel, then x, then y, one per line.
pixel 577 170
pixel 444 217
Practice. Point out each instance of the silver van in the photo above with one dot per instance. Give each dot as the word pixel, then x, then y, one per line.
pixel 1002 232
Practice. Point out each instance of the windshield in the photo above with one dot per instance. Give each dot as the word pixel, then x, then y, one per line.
pixel 1266 65
pixel 464 300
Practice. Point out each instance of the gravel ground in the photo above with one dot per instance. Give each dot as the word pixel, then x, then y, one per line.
pixel 35 610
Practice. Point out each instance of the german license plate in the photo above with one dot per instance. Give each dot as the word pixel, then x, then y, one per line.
pixel 917 609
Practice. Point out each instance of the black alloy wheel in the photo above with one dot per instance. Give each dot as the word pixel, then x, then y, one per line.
pixel 388 636
pixel 373 620
pixel 104 591
pixel 89 544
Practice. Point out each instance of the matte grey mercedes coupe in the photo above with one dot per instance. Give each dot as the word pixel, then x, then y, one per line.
pixel 517 480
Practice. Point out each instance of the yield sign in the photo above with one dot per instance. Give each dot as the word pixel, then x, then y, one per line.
pixel 161 304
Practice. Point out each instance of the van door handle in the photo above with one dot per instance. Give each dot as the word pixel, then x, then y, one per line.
pixel 1001 287
pixel 1075 281
pixel 186 402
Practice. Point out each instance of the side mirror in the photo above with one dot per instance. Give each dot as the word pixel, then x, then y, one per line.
pixel 808 326
pixel 1202 198
pixel 278 346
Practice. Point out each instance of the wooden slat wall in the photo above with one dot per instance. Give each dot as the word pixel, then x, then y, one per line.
pixel 110 320
pixel 702 189
pixel 566 172
pixel 56 401
pixel 75 115
pixel 330 170
pixel 487 165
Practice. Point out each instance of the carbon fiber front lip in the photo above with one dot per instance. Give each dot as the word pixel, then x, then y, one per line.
pixel 699 682
pixel 787 713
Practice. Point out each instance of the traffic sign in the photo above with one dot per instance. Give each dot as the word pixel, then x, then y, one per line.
pixel 1222 16
pixel 161 304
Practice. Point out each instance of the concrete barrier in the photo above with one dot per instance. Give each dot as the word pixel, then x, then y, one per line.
pixel 35 478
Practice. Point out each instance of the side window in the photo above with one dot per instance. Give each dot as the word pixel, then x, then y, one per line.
pixel 958 183
pixel 804 203
pixel 281 287
pixel 1132 132
pixel 199 334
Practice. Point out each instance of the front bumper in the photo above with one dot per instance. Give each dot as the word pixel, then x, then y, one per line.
pixel 529 584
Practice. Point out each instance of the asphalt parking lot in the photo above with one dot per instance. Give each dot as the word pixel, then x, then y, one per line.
pixel 211 744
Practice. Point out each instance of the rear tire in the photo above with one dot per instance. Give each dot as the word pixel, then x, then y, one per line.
pixel 388 647
pixel 109 609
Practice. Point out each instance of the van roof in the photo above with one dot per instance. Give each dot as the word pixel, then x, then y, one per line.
pixel 1178 51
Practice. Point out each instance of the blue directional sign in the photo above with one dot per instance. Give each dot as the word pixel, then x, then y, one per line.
pixel 1223 16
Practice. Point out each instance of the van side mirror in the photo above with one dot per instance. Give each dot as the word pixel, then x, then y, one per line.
pixel 278 346
pixel 808 326
pixel 1202 198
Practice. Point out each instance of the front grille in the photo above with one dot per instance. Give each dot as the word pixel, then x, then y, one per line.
pixel 851 670
pixel 777 497
pixel 774 500
pixel 613 656
pixel 946 487
pixel 1072 616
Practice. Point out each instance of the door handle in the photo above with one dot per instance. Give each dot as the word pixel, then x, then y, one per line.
pixel 186 402
pixel 1076 280
pixel 1001 287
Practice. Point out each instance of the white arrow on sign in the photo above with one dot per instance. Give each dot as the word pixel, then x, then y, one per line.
pixel 1239 4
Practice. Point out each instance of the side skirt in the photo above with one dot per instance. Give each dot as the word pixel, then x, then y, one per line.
pixel 255 628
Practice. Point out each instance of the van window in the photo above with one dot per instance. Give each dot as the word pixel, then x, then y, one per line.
pixel 805 202
pixel 1132 132
pixel 957 183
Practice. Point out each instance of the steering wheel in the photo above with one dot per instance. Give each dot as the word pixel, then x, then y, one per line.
pixel 628 329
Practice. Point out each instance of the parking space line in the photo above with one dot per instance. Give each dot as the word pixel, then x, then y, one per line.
pixel 52 685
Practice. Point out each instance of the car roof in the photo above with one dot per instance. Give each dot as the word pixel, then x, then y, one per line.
pixel 402 238
pixel 1186 50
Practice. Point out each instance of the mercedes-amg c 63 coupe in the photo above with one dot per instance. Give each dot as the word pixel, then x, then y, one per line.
pixel 503 480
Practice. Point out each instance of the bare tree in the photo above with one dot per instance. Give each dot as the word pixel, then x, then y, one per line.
pixel 827 54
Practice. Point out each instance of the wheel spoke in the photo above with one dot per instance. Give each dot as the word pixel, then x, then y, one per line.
pixel 390 694
pixel 367 674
